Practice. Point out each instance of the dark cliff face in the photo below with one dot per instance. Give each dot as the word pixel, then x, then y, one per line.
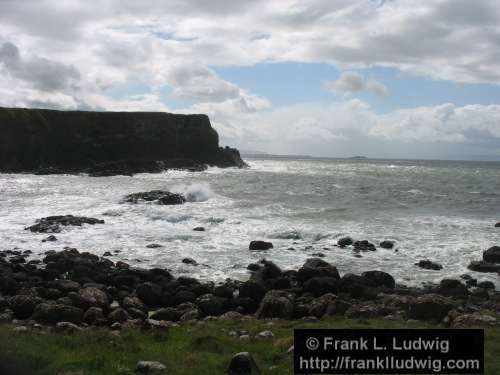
pixel 34 139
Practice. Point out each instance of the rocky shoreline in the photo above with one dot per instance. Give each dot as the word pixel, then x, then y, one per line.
pixel 69 290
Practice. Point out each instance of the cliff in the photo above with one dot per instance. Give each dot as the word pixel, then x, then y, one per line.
pixel 106 143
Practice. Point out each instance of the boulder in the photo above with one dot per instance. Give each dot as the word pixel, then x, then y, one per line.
pixel 118 315
pixel 157 196
pixel 50 238
pixel 319 305
pixel 345 241
pixel 52 313
pixel 199 229
pixel 386 244
pixel 260 245
pixel 94 316
pixel 492 255
pixel 482 266
pixel 67 327
pixel 380 279
pixel 167 313
pixel 243 364
pixel 316 267
pixel 497 225
pixel 252 289
pixel 452 288
pixel 429 307
pixel 93 297
pixel 318 286
pixel 276 304
pixel 210 305
pixel 23 305
pixel 52 224
pixel 364 245
pixel 473 320
pixel 149 293
pixel 429 265
pixel 486 285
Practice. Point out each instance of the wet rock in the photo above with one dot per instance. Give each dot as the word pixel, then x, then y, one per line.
pixel 316 267
pixel 199 229
pixel 429 265
pixel 364 245
pixel 190 261
pixel 260 245
pixel 387 244
pixel 67 286
pixel 318 286
pixel 254 267
pixel 52 313
pixel 23 305
pixel 492 255
pixel 486 285
pixel 429 307
pixel 150 368
pixel 243 364
pixel 345 241
pixel 18 259
pixel 157 196
pixel 276 304
pixel 497 225
pixel 380 279
pixel 482 266
pixel 50 238
pixel 253 290
pixel 52 224
pixel 154 246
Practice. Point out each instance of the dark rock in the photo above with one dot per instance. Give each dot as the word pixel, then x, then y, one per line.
pixel 254 267
pixel 94 316
pixel 149 293
pixel 52 224
pixel 269 270
pixel 108 143
pixel 118 315
pixel 185 296
pixel 364 245
pixel 492 255
pixel 224 291
pixel 429 307
pixel 50 238
pixel 243 364
pixel 318 286
pixel 199 229
pixel 315 267
pixel 132 302
pixel 154 246
pixel 497 225
pixel 23 305
pixel 252 289
pixel 260 245
pixel 107 254
pixel 380 278
pixel 52 313
pixel 486 285
pixel 158 196
pixel 167 313
pixel 345 241
pixel 387 244
pixel 276 304
pixel 452 288
pixel 190 261
pixel 481 266
pixel 210 305
pixel 18 259
pixel 429 265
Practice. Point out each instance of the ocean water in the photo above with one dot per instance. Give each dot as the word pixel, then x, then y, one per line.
pixel 438 210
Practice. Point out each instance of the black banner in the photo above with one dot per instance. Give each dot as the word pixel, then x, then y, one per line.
pixel 389 351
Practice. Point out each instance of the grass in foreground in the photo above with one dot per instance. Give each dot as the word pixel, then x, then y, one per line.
pixel 188 349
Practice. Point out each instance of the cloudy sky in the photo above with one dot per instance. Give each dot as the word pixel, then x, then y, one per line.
pixel 393 78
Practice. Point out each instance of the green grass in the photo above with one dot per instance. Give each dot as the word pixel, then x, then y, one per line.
pixel 188 349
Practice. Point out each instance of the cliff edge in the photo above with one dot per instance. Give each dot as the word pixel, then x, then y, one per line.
pixel 108 143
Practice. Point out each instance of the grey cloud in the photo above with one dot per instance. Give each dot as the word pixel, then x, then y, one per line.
pixel 42 73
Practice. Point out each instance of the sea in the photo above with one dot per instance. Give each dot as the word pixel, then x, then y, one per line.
pixel 444 211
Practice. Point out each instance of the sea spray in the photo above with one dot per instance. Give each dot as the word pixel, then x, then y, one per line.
pixel 196 192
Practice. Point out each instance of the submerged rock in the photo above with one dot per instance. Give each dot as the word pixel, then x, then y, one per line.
pixel 161 197
pixel 387 244
pixel 50 238
pixel 52 224
pixel 260 245
pixel 345 241
pixel 481 266
pixel 429 265
pixel 364 245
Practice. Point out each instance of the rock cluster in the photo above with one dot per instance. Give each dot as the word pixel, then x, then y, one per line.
pixel 52 224
pixel 157 196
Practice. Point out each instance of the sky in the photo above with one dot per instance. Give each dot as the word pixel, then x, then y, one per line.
pixel 380 78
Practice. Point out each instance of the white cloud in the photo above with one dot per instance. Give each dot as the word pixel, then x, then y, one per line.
pixel 352 82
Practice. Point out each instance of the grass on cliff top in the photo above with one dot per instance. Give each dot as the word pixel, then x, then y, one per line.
pixel 187 349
